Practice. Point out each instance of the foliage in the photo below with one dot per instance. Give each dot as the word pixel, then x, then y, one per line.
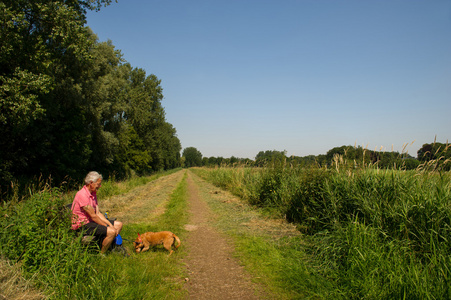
pixel 193 157
pixel 376 233
pixel 355 157
pixel 35 233
pixel 264 158
pixel 70 103
pixel 435 156
pixel 221 161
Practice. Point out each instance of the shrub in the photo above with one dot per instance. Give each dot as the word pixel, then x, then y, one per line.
pixel 309 208
pixel 36 232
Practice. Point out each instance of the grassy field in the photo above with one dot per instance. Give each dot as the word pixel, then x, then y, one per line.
pixel 154 276
pixel 371 233
pixel 52 260
pixel 351 234
pixel 272 250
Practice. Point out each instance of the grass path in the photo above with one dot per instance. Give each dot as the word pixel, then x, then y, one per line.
pixel 229 250
pixel 213 271
pixel 204 267
pixel 145 203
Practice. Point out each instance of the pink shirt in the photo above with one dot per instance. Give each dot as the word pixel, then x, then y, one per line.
pixel 79 215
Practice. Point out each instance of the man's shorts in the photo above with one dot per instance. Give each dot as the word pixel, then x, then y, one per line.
pixel 98 231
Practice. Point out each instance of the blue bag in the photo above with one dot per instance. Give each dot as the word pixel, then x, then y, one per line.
pixel 118 240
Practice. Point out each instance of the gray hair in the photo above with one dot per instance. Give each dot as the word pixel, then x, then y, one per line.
pixel 92 176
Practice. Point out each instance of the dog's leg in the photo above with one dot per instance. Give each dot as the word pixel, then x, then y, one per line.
pixel 167 244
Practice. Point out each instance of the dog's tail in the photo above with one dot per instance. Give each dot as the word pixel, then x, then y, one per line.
pixel 178 241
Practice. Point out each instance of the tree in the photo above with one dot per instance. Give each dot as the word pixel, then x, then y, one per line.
pixel 438 152
pixel 44 48
pixel 264 158
pixel 69 103
pixel 435 150
pixel 193 157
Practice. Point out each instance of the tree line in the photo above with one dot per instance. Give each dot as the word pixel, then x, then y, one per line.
pixel 353 156
pixel 70 104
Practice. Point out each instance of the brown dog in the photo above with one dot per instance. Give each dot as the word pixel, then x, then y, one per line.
pixel 150 239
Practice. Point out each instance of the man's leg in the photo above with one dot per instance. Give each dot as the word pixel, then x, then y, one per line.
pixel 118 226
pixel 108 240
pixel 103 234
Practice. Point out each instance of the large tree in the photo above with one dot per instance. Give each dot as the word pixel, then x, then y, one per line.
pixel 437 153
pixel 193 157
pixel 44 48
pixel 270 157
pixel 69 104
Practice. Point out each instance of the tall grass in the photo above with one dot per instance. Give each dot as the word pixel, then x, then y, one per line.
pixel 242 182
pixel 35 234
pixel 13 285
pixel 274 254
pixel 376 233
pixel 397 233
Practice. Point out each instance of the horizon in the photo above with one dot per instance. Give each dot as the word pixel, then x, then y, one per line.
pixel 381 149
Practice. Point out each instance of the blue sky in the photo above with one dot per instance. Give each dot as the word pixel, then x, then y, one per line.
pixel 243 76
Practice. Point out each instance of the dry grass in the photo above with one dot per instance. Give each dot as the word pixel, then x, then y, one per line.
pixel 238 213
pixel 143 202
pixel 13 286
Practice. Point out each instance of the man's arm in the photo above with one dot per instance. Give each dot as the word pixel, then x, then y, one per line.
pixel 102 217
pixel 96 217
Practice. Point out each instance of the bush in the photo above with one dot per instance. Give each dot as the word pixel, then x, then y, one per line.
pixel 36 232
pixel 309 208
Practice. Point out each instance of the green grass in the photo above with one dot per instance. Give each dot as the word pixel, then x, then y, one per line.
pixel 363 234
pixel 280 263
pixel 113 188
pixel 369 233
pixel 35 232
pixel 152 274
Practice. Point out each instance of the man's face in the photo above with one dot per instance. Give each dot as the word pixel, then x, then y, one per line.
pixel 94 186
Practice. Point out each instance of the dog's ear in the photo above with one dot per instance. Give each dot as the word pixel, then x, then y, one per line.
pixel 139 237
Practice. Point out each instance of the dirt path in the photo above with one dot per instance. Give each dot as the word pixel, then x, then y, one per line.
pixel 213 271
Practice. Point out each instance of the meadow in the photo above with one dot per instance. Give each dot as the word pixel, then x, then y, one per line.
pixel 365 233
pixel 43 258
pixel 371 233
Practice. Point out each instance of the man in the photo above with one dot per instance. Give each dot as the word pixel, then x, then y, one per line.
pixel 87 216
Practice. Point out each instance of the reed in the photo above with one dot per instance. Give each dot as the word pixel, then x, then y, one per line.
pixel 377 233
